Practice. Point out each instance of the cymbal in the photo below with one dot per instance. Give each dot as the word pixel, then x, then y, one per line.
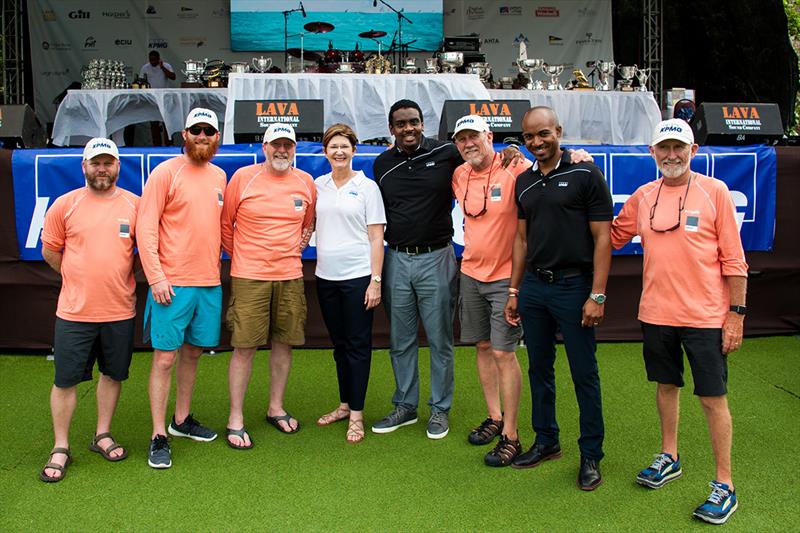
pixel 308 55
pixel 372 34
pixel 318 27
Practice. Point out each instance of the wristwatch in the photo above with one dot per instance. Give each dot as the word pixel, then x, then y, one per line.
pixel 376 279
pixel 739 309
pixel 599 298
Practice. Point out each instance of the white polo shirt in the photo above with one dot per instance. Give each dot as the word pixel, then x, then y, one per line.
pixel 343 214
pixel 156 76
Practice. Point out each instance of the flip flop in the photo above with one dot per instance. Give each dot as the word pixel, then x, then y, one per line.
pixel 106 453
pixel 55 466
pixel 238 433
pixel 275 421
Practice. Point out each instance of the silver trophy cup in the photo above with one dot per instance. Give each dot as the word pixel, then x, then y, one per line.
pixel 451 60
pixel 529 66
pixel 431 65
pixel 627 73
pixel 642 74
pixel 193 70
pixel 483 70
pixel 410 66
pixel 261 64
pixel 554 71
pixel 604 71
pixel 240 68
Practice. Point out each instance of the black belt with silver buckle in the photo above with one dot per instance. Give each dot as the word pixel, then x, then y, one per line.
pixel 551 276
pixel 416 250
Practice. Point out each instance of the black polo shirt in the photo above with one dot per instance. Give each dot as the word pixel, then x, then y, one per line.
pixel 417 192
pixel 557 209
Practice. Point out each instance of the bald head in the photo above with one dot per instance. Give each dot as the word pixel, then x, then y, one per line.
pixel 544 113
pixel 541 132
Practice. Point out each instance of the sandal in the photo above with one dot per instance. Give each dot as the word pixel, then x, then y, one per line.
pixel 334 416
pixel 55 466
pixel 355 431
pixel 238 433
pixel 276 420
pixel 486 432
pixel 505 452
pixel 106 453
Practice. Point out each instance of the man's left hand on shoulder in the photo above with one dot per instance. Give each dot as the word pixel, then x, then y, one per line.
pixel 732 332
pixel 580 156
pixel 511 156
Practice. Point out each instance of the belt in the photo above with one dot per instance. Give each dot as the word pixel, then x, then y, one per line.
pixel 551 276
pixel 421 249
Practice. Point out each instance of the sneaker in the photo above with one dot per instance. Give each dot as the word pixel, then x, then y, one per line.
pixel 663 470
pixel 399 417
pixel 719 506
pixel 159 455
pixel 486 432
pixel 192 429
pixel 438 425
pixel 504 453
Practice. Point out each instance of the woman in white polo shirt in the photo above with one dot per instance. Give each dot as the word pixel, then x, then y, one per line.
pixel 350 223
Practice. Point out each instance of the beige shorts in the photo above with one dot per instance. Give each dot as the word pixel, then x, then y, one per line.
pixel 261 311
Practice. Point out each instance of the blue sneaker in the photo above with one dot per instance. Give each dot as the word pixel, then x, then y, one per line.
pixel 663 470
pixel 719 506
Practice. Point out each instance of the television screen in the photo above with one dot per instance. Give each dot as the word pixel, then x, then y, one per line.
pixel 258 25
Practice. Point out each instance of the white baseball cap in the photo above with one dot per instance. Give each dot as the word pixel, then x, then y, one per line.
pixel 279 130
pixel 98 146
pixel 470 122
pixel 201 115
pixel 673 128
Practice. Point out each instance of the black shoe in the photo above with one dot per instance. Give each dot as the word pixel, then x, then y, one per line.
pixel 538 454
pixel 589 477
pixel 504 453
pixel 486 432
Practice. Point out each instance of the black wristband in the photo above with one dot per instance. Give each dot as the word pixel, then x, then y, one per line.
pixel 739 309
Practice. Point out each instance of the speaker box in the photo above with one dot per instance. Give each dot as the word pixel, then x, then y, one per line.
pixel 729 124
pixel 19 127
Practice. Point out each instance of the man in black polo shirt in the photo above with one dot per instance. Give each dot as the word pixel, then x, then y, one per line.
pixel 561 258
pixel 420 266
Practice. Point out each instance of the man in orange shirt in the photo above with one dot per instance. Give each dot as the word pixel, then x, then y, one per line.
pixel 267 221
pixel 179 242
pixel 693 295
pixel 88 239
pixel 485 192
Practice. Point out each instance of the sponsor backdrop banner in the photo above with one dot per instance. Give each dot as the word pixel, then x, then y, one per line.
pixel 66 34
pixel 41 176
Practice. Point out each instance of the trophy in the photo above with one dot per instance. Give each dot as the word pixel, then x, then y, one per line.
pixel 240 68
pixel 193 70
pixel 529 66
pixel 506 82
pixel 580 82
pixel 261 64
pixel 410 66
pixel 451 61
pixel 627 73
pixel 604 70
pixel 431 65
pixel 642 74
pixel 483 70
pixel 554 71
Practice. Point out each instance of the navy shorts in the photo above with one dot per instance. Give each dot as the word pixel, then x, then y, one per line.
pixel 663 357
pixel 79 344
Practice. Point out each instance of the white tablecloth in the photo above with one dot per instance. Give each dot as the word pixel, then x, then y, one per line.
pixel 359 100
pixel 604 117
pixel 104 113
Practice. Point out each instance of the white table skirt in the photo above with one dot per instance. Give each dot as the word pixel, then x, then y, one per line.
pixel 105 112
pixel 603 117
pixel 361 101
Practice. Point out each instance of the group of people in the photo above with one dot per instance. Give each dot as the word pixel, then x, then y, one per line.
pixel 538 237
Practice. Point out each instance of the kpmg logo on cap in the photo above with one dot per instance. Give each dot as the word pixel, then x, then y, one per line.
pixel 100 144
pixel 202 114
pixel 281 129
pixel 468 120
pixel 672 128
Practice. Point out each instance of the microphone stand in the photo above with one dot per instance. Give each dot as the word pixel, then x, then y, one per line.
pixel 286 36
pixel 398 56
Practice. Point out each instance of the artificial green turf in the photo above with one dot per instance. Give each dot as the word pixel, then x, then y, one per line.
pixel 315 481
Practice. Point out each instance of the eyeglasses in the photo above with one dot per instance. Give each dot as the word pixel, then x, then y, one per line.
pixel 485 190
pixel 208 130
pixel 681 205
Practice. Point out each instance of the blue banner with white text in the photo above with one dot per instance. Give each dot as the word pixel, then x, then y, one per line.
pixel 41 176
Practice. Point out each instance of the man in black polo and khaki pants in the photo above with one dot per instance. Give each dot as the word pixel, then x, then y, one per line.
pixel 560 263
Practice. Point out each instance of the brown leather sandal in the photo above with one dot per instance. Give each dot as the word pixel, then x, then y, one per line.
pixel 106 452
pixel 504 453
pixel 334 416
pixel 55 466
pixel 355 431
pixel 486 432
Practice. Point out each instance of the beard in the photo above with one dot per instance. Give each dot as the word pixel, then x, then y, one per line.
pixel 201 152
pixel 673 170
pixel 101 183
pixel 280 165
